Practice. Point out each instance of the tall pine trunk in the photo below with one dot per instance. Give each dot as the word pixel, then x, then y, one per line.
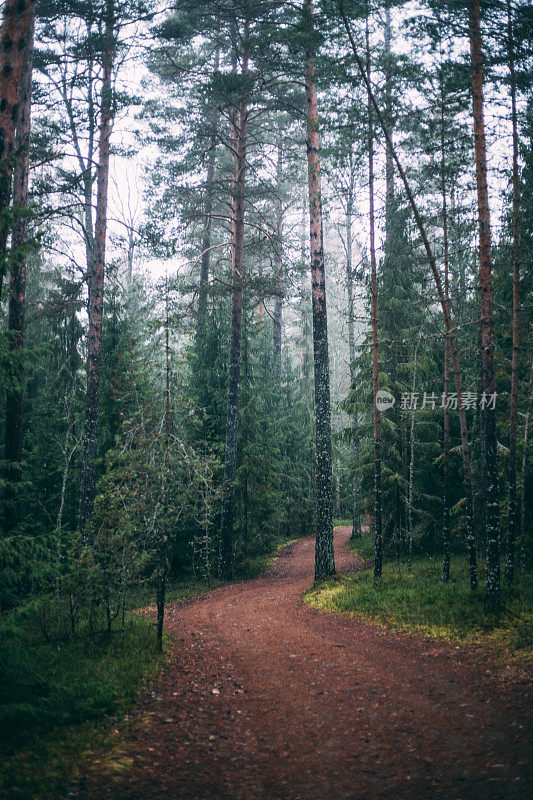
pixel 487 338
pixel 512 525
pixel 446 555
pixel 523 476
pixel 16 37
pixel 163 542
pixel 356 508
pixel 410 491
pixel 238 135
pixel 395 521
pixel 304 355
pixel 389 163
pixel 95 306
pixel 201 322
pixel 324 556
pixel 378 513
pixel 17 296
pixel 278 271
pixel 445 305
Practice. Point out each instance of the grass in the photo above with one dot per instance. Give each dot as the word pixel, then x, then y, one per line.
pixel 255 565
pixel 419 601
pixel 176 590
pixel 363 546
pixel 58 700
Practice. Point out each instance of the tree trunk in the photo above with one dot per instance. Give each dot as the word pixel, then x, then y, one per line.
pixel 487 340
pixel 304 357
pixel 523 477
pixel 411 470
pixel 162 554
pixel 512 524
pixel 95 282
pixel 356 509
pixel 446 555
pixel 470 539
pixel 17 297
pixel 389 163
pixel 16 41
pixel 324 556
pixel 481 513
pixel 160 597
pixel 278 271
pixel 201 323
pixel 238 134
pixel 378 515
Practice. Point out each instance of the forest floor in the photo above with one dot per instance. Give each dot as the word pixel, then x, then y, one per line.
pixel 265 698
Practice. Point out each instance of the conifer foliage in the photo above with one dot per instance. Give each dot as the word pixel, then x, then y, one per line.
pixel 242 291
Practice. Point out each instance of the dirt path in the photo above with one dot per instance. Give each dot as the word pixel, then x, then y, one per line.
pixel 266 699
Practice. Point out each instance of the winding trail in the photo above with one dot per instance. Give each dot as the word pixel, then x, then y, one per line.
pixel 266 699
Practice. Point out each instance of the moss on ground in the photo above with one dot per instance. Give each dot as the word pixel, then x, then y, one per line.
pixel 59 699
pixel 417 601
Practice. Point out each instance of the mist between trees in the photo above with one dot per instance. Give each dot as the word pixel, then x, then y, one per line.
pixel 224 229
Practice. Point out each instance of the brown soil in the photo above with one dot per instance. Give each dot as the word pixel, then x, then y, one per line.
pixel 266 699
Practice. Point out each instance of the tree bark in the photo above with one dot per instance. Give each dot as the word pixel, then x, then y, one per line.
pixel 16 39
pixel 278 271
pixel 470 539
pixel 487 338
pixel 512 524
pixel 389 163
pixel 446 555
pixel 95 282
pixel 304 357
pixel 378 514
pixel 523 476
pixel 201 324
pixel 163 543
pixel 238 135
pixel 17 297
pixel 411 469
pixel 324 556
pixel 356 509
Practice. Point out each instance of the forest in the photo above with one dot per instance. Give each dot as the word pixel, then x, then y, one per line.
pixel 265 339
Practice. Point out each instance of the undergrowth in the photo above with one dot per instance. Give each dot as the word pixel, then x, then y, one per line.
pixel 56 695
pixel 419 601
pixel 58 698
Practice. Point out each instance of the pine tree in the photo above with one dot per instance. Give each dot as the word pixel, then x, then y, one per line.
pixel 239 121
pixel 17 295
pixel 446 433
pixel 202 318
pixel 487 336
pixel 324 556
pixel 445 309
pixel 378 497
pixel 96 270
pixel 278 267
pixel 16 43
pixel 512 524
